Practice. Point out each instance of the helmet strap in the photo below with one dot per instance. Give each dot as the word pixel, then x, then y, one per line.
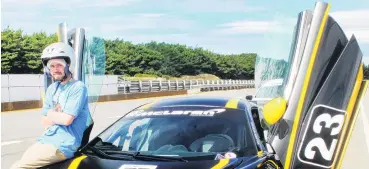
pixel 67 72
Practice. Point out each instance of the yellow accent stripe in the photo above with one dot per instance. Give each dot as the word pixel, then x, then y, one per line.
pixel 274 164
pixel 260 153
pixel 304 89
pixel 221 164
pixel 232 104
pixel 75 163
pixel 355 99
pixel 355 91
pixel 271 161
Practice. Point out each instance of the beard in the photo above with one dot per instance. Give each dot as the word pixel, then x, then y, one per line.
pixel 58 76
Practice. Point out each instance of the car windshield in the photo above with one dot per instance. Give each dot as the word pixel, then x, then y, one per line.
pixel 182 131
pixel 280 61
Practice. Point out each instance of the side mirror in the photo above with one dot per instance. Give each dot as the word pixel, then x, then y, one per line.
pixel 274 109
pixel 249 97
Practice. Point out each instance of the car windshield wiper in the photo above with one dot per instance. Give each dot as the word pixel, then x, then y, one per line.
pixel 138 155
pixel 105 155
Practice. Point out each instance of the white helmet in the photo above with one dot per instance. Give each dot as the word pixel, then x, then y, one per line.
pixel 59 50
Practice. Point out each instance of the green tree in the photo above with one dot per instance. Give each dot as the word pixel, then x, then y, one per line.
pixel 366 71
pixel 21 54
pixel 11 47
pixel 32 47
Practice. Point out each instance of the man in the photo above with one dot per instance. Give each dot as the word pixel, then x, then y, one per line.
pixel 65 112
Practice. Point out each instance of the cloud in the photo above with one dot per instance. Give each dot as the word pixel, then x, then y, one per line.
pixel 206 6
pixel 247 27
pixel 221 6
pixel 145 21
pixel 59 16
pixel 17 15
pixel 151 15
pixel 64 5
pixel 104 3
pixel 257 27
pixel 354 22
pixel 8 3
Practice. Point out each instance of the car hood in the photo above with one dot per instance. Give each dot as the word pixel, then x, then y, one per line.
pixel 86 161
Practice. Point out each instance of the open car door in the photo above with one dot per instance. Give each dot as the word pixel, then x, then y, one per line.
pixel 323 85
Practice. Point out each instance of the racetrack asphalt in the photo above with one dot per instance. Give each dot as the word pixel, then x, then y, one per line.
pixel 20 129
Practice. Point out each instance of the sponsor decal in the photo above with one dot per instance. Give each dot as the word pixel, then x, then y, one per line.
pixel 211 112
pixel 321 136
pixel 227 155
pixel 230 155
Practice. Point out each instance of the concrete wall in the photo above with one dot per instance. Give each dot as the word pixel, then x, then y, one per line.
pixel 27 87
pixel 21 87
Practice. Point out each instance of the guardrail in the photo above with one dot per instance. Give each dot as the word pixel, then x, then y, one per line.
pixel 26 87
pixel 172 85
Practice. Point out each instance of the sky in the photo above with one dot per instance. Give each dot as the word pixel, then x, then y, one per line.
pixel 231 26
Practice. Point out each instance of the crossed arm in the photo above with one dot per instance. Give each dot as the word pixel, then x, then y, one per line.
pixel 54 117
pixel 57 116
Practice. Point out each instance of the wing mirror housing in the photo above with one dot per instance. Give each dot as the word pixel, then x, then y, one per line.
pixel 249 97
pixel 274 110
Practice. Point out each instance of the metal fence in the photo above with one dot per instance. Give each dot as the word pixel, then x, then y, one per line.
pixel 24 87
pixel 171 85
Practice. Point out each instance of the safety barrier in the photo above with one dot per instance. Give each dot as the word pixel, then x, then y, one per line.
pixel 29 87
pixel 173 85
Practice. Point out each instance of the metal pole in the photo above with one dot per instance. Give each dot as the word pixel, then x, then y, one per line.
pixel 78 45
pixel 62 33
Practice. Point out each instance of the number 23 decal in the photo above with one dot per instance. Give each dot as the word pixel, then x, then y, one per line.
pixel 321 136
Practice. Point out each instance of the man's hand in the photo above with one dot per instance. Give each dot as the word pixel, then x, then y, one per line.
pixel 46 123
pixel 58 108
pixel 59 117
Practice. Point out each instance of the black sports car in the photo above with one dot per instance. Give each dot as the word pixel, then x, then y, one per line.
pixel 308 123
pixel 187 132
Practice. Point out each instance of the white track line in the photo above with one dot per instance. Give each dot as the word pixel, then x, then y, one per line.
pixel 10 142
pixel 366 125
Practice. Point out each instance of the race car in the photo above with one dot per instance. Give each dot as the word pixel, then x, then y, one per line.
pixel 309 126
pixel 186 132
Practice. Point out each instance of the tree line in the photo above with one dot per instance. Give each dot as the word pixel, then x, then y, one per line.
pixel 20 54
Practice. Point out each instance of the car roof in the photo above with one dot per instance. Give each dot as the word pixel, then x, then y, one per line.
pixel 203 101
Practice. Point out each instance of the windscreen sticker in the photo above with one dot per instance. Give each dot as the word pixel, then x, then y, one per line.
pixel 230 155
pixel 211 112
pixel 320 140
